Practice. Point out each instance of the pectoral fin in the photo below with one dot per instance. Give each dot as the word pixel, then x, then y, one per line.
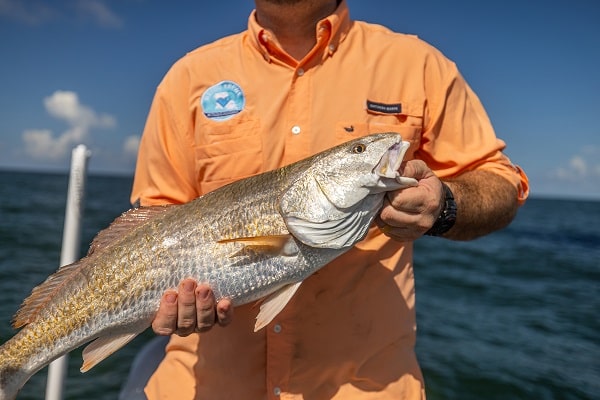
pixel 103 347
pixel 274 304
pixel 273 244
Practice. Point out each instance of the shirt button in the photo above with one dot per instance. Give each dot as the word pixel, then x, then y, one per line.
pixel 277 328
pixel 276 391
pixel 300 72
pixel 296 130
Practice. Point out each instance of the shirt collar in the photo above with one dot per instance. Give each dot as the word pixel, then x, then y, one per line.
pixel 333 30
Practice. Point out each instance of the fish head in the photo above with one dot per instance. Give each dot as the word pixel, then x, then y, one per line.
pixel 362 167
pixel 340 190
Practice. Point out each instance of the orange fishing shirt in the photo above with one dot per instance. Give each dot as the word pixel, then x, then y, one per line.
pixel 241 106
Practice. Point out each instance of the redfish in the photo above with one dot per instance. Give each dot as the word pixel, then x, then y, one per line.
pixel 257 238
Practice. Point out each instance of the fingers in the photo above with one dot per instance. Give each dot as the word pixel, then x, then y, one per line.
pixel 408 213
pixel 207 314
pixel 165 322
pixel 224 312
pixel 400 225
pixel 186 307
pixel 205 308
pixel 192 308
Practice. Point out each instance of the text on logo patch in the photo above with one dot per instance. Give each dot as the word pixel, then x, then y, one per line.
pixel 223 100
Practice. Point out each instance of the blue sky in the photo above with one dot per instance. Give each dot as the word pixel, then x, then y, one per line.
pixel 85 71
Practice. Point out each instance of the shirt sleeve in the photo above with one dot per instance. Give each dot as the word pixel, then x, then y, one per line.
pixel 457 134
pixel 165 170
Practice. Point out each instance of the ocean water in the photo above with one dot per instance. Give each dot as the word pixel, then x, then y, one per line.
pixel 513 315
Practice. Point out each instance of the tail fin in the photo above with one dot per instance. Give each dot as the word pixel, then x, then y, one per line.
pixel 11 381
pixel 12 375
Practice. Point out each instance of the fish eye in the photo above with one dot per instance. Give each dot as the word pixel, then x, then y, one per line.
pixel 359 148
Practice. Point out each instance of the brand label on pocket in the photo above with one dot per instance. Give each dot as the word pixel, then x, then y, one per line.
pixel 384 108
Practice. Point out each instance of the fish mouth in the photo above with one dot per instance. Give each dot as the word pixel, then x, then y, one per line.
pixel 390 162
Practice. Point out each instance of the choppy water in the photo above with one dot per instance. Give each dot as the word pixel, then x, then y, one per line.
pixel 514 315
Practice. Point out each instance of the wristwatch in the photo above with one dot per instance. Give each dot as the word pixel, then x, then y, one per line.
pixel 447 217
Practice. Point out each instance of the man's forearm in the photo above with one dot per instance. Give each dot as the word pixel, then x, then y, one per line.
pixel 485 202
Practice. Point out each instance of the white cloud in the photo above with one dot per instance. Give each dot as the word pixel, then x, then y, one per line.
pixel 27 11
pixel 99 12
pixel 37 12
pixel 583 166
pixel 578 165
pixel 131 145
pixel 65 105
pixel 41 144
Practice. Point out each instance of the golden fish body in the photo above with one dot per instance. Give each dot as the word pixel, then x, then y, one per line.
pixel 257 237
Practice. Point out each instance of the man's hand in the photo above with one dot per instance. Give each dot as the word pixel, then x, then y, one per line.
pixel 485 202
pixel 408 213
pixel 192 308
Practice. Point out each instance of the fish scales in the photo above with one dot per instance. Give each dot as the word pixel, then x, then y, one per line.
pixel 256 238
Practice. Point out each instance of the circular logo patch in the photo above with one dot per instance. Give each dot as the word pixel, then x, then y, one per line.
pixel 223 100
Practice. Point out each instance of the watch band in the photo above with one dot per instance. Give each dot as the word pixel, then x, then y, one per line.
pixel 447 217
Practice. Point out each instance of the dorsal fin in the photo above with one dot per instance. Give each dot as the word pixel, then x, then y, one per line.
pixel 125 223
pixel 55 283
pixel 42 293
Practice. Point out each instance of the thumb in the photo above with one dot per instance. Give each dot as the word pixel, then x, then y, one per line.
pixel 416 169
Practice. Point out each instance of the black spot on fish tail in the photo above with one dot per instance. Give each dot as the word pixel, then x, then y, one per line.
pixel 6 374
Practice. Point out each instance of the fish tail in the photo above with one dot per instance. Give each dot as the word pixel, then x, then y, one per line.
pixel 12 376
pixel 11 381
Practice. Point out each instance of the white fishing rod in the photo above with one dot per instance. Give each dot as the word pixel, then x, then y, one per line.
pixel 57 370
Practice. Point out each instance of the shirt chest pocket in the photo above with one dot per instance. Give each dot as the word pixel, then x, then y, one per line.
pixel 227 151
pixel 408 123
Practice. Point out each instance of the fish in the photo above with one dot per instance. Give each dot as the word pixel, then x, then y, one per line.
pixel 254 240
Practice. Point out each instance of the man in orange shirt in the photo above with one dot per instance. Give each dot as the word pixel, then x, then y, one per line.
pixel 303 78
